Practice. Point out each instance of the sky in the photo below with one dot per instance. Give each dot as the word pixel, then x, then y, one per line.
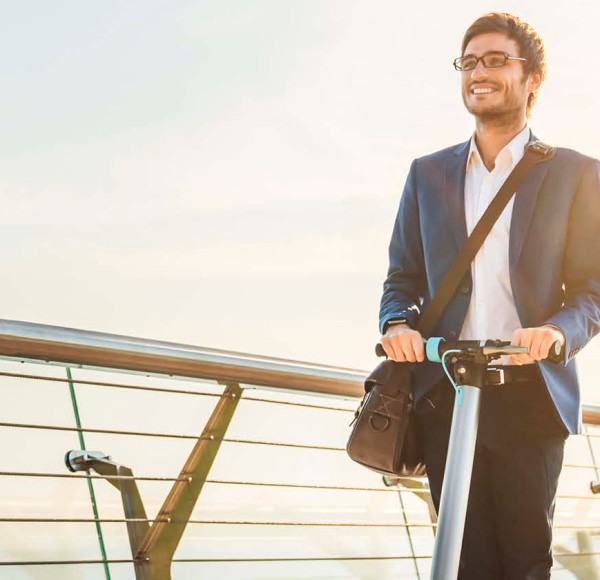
pixel 226 173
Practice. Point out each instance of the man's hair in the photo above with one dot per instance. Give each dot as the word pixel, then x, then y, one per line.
pixel 530 44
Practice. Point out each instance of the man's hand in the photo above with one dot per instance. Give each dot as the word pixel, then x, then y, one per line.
pixel 538 340
pixel 403 344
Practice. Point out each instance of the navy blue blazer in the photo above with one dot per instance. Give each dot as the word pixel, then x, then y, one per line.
pixel 554 257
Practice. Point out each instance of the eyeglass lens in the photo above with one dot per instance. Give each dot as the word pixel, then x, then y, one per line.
pixel 489 60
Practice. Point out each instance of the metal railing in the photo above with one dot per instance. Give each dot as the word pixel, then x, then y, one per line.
pixel 279 499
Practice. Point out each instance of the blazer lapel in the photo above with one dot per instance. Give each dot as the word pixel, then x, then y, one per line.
pixel 525 199
pixel 454 187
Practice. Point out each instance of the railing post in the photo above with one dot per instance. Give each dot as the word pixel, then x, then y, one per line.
pixel 153 546
pixel 133 506
pixel 162 539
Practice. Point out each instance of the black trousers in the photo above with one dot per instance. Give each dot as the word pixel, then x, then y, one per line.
pixel 518 459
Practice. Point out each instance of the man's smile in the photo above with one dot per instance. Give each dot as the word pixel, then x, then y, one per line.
pixel 482 90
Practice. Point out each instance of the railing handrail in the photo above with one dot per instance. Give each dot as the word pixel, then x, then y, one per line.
pixel 44 342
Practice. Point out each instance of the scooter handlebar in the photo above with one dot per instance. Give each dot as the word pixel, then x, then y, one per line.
pixel 435 348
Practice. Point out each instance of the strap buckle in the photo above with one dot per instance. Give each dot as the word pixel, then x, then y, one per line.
pixel 543 149
pixel 500 372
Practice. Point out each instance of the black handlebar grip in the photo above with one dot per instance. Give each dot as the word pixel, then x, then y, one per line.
pixel 556 354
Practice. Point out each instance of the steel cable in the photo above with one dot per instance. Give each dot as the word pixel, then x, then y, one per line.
pixel 164 435
pixel 170 391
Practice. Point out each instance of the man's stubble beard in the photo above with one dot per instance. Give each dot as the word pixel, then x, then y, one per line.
pixel 506 114
pixel 498 118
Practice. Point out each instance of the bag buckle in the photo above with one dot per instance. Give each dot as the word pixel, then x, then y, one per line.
pixel 500 372
pixel 359 409
pixel 544 150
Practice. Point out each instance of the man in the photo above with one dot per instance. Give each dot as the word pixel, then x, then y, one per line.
pixel 536 280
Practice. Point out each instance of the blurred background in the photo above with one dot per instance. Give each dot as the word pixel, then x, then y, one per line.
pixel 227 173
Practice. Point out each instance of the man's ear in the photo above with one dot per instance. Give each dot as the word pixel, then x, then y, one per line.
pixel 534 81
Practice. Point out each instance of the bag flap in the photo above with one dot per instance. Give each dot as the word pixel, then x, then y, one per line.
pixel 392 376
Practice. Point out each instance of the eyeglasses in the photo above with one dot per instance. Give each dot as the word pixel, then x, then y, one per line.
pixel 493 59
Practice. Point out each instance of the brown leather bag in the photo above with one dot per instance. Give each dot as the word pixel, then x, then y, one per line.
pixel 385 437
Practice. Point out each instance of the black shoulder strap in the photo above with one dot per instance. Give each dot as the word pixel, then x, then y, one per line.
pixel 535 152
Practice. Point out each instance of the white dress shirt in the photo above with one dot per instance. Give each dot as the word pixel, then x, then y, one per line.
pixel 492 312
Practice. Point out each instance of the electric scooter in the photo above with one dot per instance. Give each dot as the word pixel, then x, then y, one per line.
pixel 470 360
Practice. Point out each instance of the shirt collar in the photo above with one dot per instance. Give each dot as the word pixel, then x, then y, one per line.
pixel 509 155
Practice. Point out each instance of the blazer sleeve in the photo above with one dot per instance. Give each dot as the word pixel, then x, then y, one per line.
pixel 404 286
pixel 579 317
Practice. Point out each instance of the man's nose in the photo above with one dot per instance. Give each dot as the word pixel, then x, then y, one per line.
pixel 479 71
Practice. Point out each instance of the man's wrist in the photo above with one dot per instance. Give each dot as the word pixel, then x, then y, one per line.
pixel 559 330
pixel 395 322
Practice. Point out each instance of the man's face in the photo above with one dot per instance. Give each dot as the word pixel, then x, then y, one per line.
pixel 491 93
